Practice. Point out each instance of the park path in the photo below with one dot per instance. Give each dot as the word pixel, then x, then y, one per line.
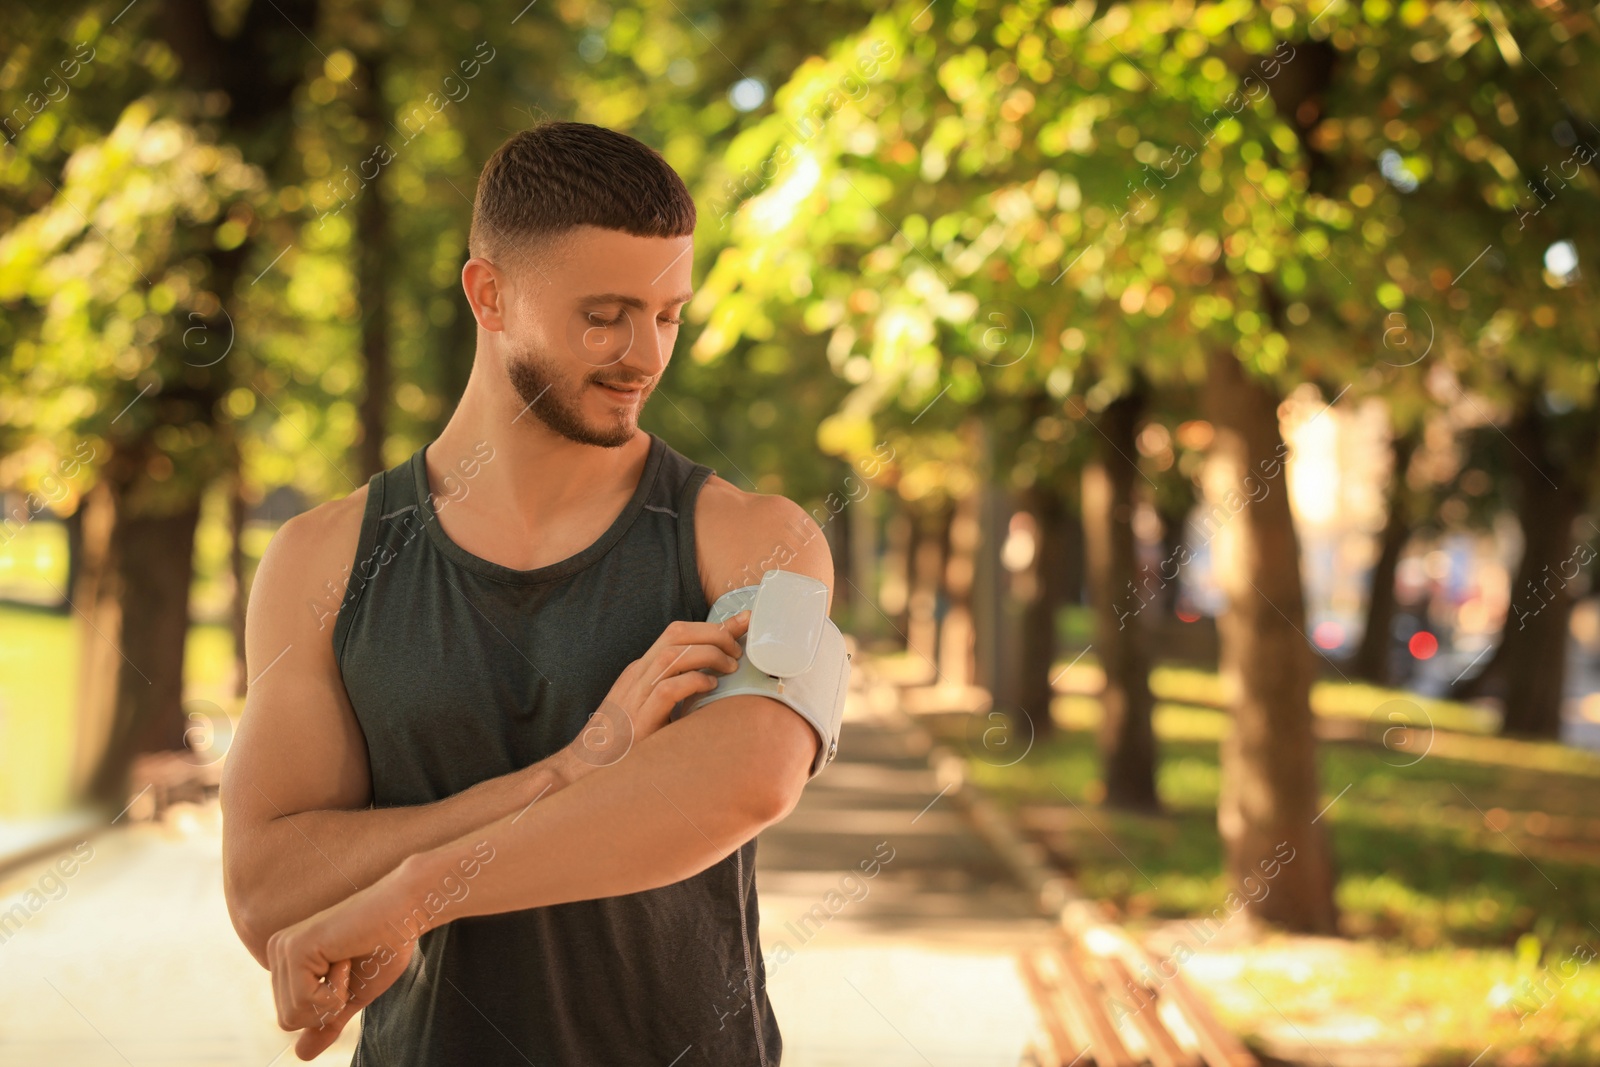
pixel 135 962
pixel 132 960
pixel 914 965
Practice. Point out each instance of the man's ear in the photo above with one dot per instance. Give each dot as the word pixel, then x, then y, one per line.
pixel 487 297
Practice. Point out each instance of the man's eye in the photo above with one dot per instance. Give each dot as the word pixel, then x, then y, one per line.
pixel 596 320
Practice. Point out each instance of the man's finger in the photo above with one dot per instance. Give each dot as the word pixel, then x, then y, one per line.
pixel 339 979
pixel 739 624
pixel 696 657
pixel 330 996
pixel 293 991
pixel 724 634
pixel 682 686
pixel 308 998
pixel 316 1040
pixel 363 991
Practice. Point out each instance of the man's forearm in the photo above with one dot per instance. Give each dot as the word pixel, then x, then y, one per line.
pixel 302 863
pixel 682 799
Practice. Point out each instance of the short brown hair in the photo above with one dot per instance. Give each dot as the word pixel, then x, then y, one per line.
pixel 556 176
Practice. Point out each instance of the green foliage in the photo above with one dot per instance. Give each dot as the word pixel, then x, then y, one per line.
pixel 116 264
pixel 968 206
pixel 1126 187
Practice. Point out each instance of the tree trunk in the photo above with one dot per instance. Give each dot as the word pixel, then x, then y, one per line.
pixel 894 593
pixel 138 557
pixel 1535 638
pixel 1065 539
pixel 73 525
pixel 836 532
pixel 1047 593
pixel 376 256
pixel 957 641
pixel 132 591
pixel 995 610
pixel 1374 655
pixel 927 570
pixel 862 555
pixel 238 511
pixel 1127 737
pixel 133 603
pixel 1270 798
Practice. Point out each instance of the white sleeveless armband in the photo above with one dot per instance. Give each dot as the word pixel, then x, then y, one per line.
pixel 793 653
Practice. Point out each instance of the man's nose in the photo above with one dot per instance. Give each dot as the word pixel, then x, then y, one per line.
pixel 646 355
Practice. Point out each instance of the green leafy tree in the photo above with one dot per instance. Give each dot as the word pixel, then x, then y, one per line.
pixel 1461 140
pixel 993 169
pixel 133 253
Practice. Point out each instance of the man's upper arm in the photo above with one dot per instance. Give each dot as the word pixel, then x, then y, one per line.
pixel 739 537
pixel 299 747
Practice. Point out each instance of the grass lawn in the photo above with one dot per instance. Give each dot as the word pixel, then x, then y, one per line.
pixel 1469 875
pixel 38 683
pixel 39 655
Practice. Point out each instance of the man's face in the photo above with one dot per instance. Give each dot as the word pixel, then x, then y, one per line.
pixel 589 332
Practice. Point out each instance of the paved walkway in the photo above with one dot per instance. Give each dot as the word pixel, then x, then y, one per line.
pixel 132 959
pixel 914 966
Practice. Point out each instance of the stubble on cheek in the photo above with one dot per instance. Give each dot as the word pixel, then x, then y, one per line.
pixel 560 404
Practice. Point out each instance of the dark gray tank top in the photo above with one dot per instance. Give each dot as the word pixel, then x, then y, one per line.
pixel 461 670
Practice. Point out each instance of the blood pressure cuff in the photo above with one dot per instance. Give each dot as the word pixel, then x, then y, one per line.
pixel 793 653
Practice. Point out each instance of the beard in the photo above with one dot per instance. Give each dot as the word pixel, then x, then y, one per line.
pixel 558 402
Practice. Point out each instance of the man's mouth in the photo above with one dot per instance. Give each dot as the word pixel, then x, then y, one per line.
pixel 622 391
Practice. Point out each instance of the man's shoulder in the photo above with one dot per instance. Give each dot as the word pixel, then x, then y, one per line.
pixel 332 520
pixel 317 545
pixel 741 535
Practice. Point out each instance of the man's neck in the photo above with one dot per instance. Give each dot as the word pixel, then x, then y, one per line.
pixel 537 482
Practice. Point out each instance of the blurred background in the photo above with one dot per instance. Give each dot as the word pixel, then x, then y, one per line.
pixel 1199 400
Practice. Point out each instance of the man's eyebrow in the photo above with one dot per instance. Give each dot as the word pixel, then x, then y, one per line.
pixel 631 301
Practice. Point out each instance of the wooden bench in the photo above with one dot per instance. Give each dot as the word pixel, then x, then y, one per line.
pixel 161 779
pixel 1092 986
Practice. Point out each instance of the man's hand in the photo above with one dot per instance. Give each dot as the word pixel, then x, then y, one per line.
pixel 330 966
pixel 647 690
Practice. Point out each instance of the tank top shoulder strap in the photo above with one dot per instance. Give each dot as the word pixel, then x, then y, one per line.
pixel 675 492
pixel 391 496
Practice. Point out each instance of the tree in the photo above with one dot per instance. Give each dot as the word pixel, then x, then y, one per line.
pixel 1127 733
pixel 1462 144
pixel 149 452
pixel 136 262
pixel 1016 178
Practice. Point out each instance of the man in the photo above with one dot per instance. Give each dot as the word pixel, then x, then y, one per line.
pixel 456 783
